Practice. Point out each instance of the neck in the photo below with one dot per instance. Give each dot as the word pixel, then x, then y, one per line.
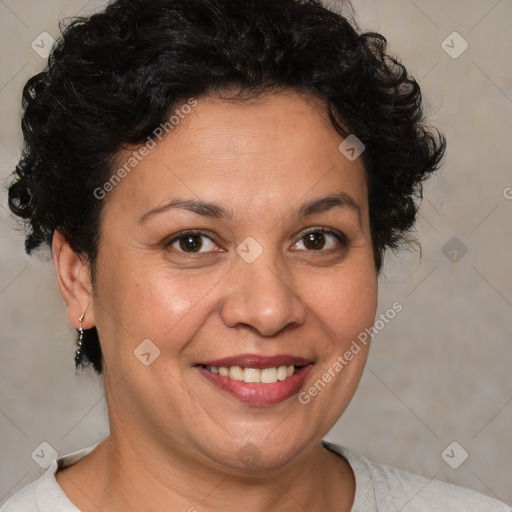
pixel 124 474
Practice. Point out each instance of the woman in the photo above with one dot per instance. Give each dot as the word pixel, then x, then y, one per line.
pixel 219 181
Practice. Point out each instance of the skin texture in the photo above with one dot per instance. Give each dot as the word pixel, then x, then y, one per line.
pixel 176 438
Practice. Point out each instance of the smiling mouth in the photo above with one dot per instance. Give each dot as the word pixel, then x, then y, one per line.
pixel 257 379
pixel 269 375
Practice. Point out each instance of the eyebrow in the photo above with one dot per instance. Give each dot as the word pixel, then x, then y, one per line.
pixel 213 210
pixel 340 200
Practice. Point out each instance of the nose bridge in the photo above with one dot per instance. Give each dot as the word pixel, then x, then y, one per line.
pixel 262 294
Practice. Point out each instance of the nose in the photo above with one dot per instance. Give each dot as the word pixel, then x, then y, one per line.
pixel 261 295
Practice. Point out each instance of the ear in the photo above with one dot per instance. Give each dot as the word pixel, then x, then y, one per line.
pixel 74 279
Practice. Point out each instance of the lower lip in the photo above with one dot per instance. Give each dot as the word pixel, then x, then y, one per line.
pixel 259 394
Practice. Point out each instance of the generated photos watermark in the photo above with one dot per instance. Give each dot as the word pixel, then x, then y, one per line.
pixel 143 151
pixel 343 359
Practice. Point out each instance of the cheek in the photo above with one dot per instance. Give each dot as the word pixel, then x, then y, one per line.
pixel 346 302
pixel 140 301
pixel 344 307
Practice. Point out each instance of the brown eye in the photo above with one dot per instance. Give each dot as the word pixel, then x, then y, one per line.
pixel 313 241
pixel 191 243
pixel 322 238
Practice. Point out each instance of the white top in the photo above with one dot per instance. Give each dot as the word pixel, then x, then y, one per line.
pixel 379 488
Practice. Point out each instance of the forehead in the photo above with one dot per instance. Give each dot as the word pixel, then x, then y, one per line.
pixel 276 146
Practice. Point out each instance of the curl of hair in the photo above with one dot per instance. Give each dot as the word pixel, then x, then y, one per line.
pixel 114 77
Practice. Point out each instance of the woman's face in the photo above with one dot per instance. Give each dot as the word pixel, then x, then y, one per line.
pixel 251 286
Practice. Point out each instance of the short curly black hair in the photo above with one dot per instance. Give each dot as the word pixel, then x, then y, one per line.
pixel 113 77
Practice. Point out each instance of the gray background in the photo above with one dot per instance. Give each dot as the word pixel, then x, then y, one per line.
pixel 438 373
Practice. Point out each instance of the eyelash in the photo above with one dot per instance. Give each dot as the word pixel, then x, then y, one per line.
pixel 340 237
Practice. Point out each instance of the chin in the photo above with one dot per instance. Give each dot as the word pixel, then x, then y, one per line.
pixel 257 455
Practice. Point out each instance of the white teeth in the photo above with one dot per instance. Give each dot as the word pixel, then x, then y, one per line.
pixel 282 373
pixel 254 375
pixel 268 375
pixel 251 375
pixel 235 372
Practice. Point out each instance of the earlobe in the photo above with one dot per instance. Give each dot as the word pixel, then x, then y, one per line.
pixel 74 280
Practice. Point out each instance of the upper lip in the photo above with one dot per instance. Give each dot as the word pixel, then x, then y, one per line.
pixel 258 361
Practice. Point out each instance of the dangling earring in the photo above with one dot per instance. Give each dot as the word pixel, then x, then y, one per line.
pixel 78 354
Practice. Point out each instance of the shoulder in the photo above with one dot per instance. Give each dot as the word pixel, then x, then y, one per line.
pixel 24 500
pixel 410 492
pixel 45 494
pixel 391 489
